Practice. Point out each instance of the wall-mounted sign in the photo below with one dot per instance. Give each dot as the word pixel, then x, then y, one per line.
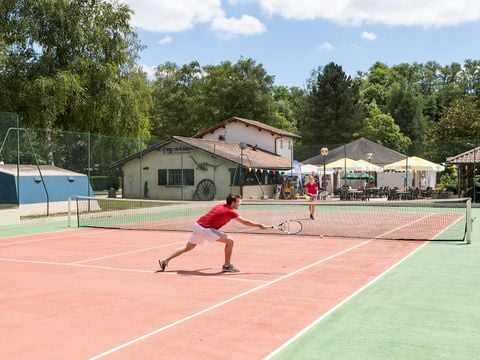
pixel 176 150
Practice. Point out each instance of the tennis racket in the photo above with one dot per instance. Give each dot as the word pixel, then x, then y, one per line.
pixel 289 227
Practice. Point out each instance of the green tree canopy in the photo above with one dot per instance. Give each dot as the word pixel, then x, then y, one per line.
pixel 334 113
pixel 71 64
pixel 381 128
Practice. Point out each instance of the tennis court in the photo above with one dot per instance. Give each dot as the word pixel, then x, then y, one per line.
pixel 95 293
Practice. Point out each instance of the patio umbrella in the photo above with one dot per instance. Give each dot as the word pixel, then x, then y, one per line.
pixel 414 163
pixel 352 165
pixel 350 176
pixel 365 176
pixel 370 166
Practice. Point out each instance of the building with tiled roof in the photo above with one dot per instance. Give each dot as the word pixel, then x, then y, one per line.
pixel 204 168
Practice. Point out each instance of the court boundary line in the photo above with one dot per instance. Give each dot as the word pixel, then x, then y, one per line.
pixel 340 304
pixel 57 237
pixel 351 296
pixel 228 300
pixel 127 252
pixel 230 278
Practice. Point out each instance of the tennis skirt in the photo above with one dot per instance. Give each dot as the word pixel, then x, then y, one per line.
pixel 201 235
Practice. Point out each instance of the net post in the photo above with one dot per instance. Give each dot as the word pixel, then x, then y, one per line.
pixel 78 213
pixel 69 207
pixel 468 236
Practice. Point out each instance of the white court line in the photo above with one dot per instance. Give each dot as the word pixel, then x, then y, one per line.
pixel 401 227
pixel 70 234
pixel 201 312
pixel 127 252
pixel 303 331
pixel 229 278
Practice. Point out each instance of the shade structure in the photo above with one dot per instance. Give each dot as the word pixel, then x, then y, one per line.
pixel 308 169
pixel 414 163
pixel 350 176
pixel 370 166
pixel 351 165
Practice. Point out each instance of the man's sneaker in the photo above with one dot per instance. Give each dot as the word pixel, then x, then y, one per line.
pixel 229 268
pixel 163 264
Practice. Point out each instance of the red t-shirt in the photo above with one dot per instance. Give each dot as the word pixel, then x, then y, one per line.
pixel 312 188
pixel 218 216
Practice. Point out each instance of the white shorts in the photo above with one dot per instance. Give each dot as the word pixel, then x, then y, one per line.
pixel 201 234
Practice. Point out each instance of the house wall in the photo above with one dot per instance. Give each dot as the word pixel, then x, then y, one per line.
pixel 136 173
pixel 241 132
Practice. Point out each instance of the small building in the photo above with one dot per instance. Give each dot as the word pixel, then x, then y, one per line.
pixel 466 163
pixel 184 168
pixel 38 191
pixel 253 133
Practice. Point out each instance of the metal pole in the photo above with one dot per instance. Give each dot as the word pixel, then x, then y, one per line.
pixel 89 153
pixel 474 166
pixel 406 173
pixel 140 169
pixel 18 160
pixel 345 164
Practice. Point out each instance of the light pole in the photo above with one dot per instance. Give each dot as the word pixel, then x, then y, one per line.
pixel 324 153
pixel 369 158
pixel 242 146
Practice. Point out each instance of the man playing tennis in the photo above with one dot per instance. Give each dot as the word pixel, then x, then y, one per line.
pixel 312 192
pixel 207 229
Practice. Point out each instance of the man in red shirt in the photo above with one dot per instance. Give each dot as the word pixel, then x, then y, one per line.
pixel 207 229
pixel 312 192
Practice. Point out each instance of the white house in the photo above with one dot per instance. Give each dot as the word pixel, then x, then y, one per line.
pixel 203 168
pixel 253 133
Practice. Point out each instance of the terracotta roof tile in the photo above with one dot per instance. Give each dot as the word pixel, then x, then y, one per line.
pixel 467 157
pixel 250 122
pixel 231 151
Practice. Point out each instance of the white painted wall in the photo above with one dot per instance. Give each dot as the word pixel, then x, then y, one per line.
pixel 240 132
pixel 134 182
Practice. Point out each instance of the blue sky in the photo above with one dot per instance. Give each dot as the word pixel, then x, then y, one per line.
pixel 293 37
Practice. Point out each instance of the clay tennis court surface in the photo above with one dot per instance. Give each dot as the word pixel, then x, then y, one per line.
pixel 95 293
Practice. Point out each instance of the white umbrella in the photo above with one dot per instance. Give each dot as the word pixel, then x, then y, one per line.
pixel 307 169
pixel 414 163
pixel 370 166
pixel 351 165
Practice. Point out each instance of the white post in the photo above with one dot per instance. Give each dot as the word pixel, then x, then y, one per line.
pixel 469 221
pixel 69 222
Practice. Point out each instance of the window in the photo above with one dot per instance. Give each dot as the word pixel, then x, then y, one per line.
pixel 235 176
pixel 289 145
pixel 174 177
pixel 162 177
pixel 281 144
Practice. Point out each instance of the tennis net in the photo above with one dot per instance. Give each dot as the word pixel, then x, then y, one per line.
pixel 445 219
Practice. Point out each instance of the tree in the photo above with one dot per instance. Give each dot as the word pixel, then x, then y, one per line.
pixel 461 120
pixel 381 128
pixel 334 113
pixel 405 107
pixel 191 98
pixel 71 65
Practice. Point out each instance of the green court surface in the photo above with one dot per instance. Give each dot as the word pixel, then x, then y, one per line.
pixel 428 307
pixel 27 229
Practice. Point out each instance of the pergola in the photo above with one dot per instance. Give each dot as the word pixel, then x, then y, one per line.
pixel 466 164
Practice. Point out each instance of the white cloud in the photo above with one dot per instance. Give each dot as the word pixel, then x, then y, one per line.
pixel 368 35
pixel 173 16
pixel 427 13
pixel 165 40
pixel 180 15
pixel 355 46
pixel 326 46
pixel 149 70
pixel 230 27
